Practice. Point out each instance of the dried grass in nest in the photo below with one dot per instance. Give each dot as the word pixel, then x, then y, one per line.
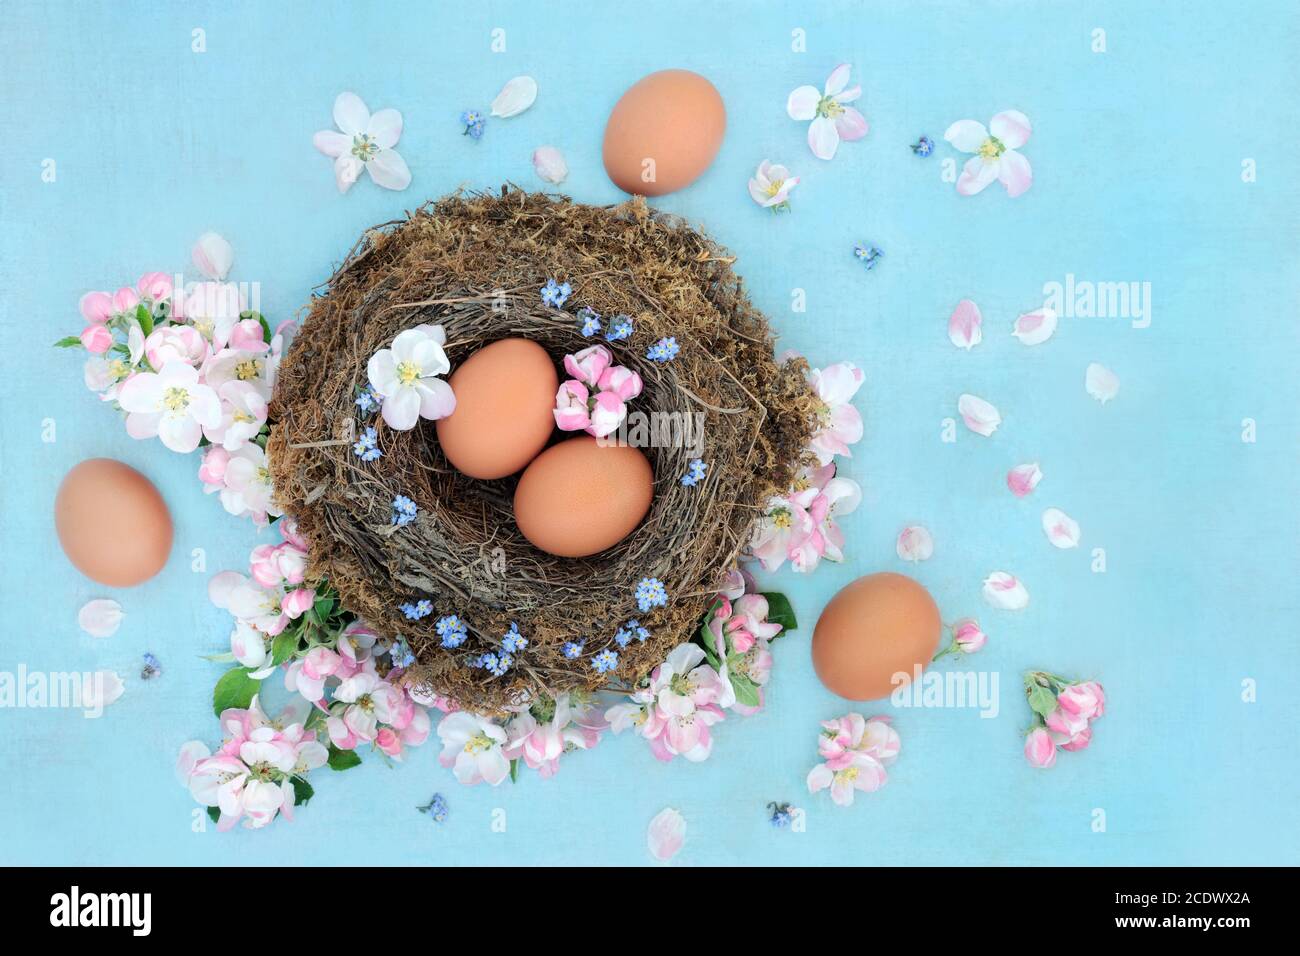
pixel 474 264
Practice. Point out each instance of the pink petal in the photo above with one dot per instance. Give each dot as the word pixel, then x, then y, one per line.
pixel 1014 173
pixel 1023 479
pixel 838 79
pixel 213 256
pixel 1005 591
pixel 1035 328
pixel 666 834
pixel 97 307
pixel 1060 528
pixel 964 325
pixel 980 416
pixel 100 618
pixel 851 124
pixel 1012 128
pixel 915 543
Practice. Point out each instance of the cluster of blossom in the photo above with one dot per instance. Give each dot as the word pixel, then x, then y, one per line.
pixel 1064 710
pixel 190 366
pixel 800 526
pixel 854 751
pixel 595 398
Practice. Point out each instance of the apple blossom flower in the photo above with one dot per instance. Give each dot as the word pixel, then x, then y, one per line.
pixel 779 532
pixel 839 423
pixel 472 748
pixel 822 496
pixel 571 406
pixel 541 732
pixel 1040 749
pixel 364 141
pixel 155 286
pixel 995 150
pixel 771 185
pixel 405 376
pixel 247 489
pixel 589 365
pixel 855 752
pixel 96 339
pixel 832 120
pixel 176 343
pixel 243 413
pixel 213 308
pixel 172 404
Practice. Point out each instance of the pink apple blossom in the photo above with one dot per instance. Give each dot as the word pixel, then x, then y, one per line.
pixel 1040 749
pixel 96 339
pixel 832 119
pixel 995 149
pixel 839 423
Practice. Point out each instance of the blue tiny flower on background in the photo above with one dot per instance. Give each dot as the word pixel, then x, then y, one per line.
pixel 366 447
pixel 573 650
pixel 452 630
pixel 605 661
pixel 495 664
pixel 665 350
pixel 555 294
pixel 415 612
pixel 923 146
pixel 473 121
pixel 400 654
pixel 868 255
pixel 367 401
pixel 620 327
pixel 639 632
pixel 650 592
pixel 513 642
pixel 695 472
pixel 435 808
pixel 151 667
pixel 588 321
pixel 781 814
pixel 404 510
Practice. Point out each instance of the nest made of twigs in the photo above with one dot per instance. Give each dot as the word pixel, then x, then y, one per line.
pixel 474 265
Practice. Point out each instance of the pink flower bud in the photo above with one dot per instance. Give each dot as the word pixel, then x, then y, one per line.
pixel 97 339
pixel 1040 749
pixel 967 635
pixel 125 299
pixel 297 602
pixel 588 365
pixel 388 741
pixel 96 307
pixel 571 406
pixel 212 472
pixel 623 382
pixel 607 413
pixel 156 286
pixel 247 336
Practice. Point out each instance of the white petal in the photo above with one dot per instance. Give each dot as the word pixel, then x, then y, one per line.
pixel 213 256
pixel 1060 528
pixel 190 754
pixel 1003 590
pixel 823 137
pixel 838 79
pixel 385 128
pixel 802 103
pixel 666 834
pixel 1035 328
pixel 549 164
pixel 331 142
pixel 346 170
pixel 915 543
pixel 515 97
pixel 1012 128
pixel 104 688
pixel 351 114
pixel 979 416
pixel 1023 479
pixel 100 618
pixel 964 325
pixel 389 170
pixel 966 135
pixel 1101 383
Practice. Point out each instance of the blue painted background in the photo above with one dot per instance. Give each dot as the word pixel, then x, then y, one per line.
pixel 1137 156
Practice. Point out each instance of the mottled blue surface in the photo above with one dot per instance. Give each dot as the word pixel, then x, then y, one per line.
pixel 1137 154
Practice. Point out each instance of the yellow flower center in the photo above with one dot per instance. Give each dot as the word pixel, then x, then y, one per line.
pixel 117 368
pixel 248 370
pixel 774 187
pixel 782 518
pixel 176 399
pixel 992 148
pixel 363 147
pixel 407 372
pixel 479 743
pixel 848 774
pixel 829 107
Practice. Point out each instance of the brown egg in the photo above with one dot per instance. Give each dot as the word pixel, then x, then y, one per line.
pixel 875 627
pixel 579 497
pixel 505 393
pixel 664 133
pixel 112 523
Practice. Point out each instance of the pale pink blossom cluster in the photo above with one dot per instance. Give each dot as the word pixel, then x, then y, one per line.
pixel 854 751
pixel 594 399
pixel 268 598
pixel 800 526
pixel 253 773
pixel 191 367
pixel 1068 725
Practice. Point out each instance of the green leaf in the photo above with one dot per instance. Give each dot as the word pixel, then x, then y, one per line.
pixel 746 690
pixel 780 611
pixel 323 608
pixel 214 814
pixel 302 791
pixel 234 689
pixel 122 349
pixel 514 770
pixel 145 318
pixel 68 342
pixel 1042 701
pixel 283 647
pixel 343 759
pixel 705 639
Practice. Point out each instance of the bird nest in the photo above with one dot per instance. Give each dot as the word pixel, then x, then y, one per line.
pixel 474 264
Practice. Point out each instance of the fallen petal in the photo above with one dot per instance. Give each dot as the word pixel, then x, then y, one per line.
pixel 104 688
pixel 964 325
pixel 1060 528
pixel 1101 383
pixel 666 834
pixel 213 256
pixel 1003 590
pixel 979 416
pixel 515 97
pixel 915 543
pixel 549 164
pixel 100 618
pixel 1023 479
pixel 1035 328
